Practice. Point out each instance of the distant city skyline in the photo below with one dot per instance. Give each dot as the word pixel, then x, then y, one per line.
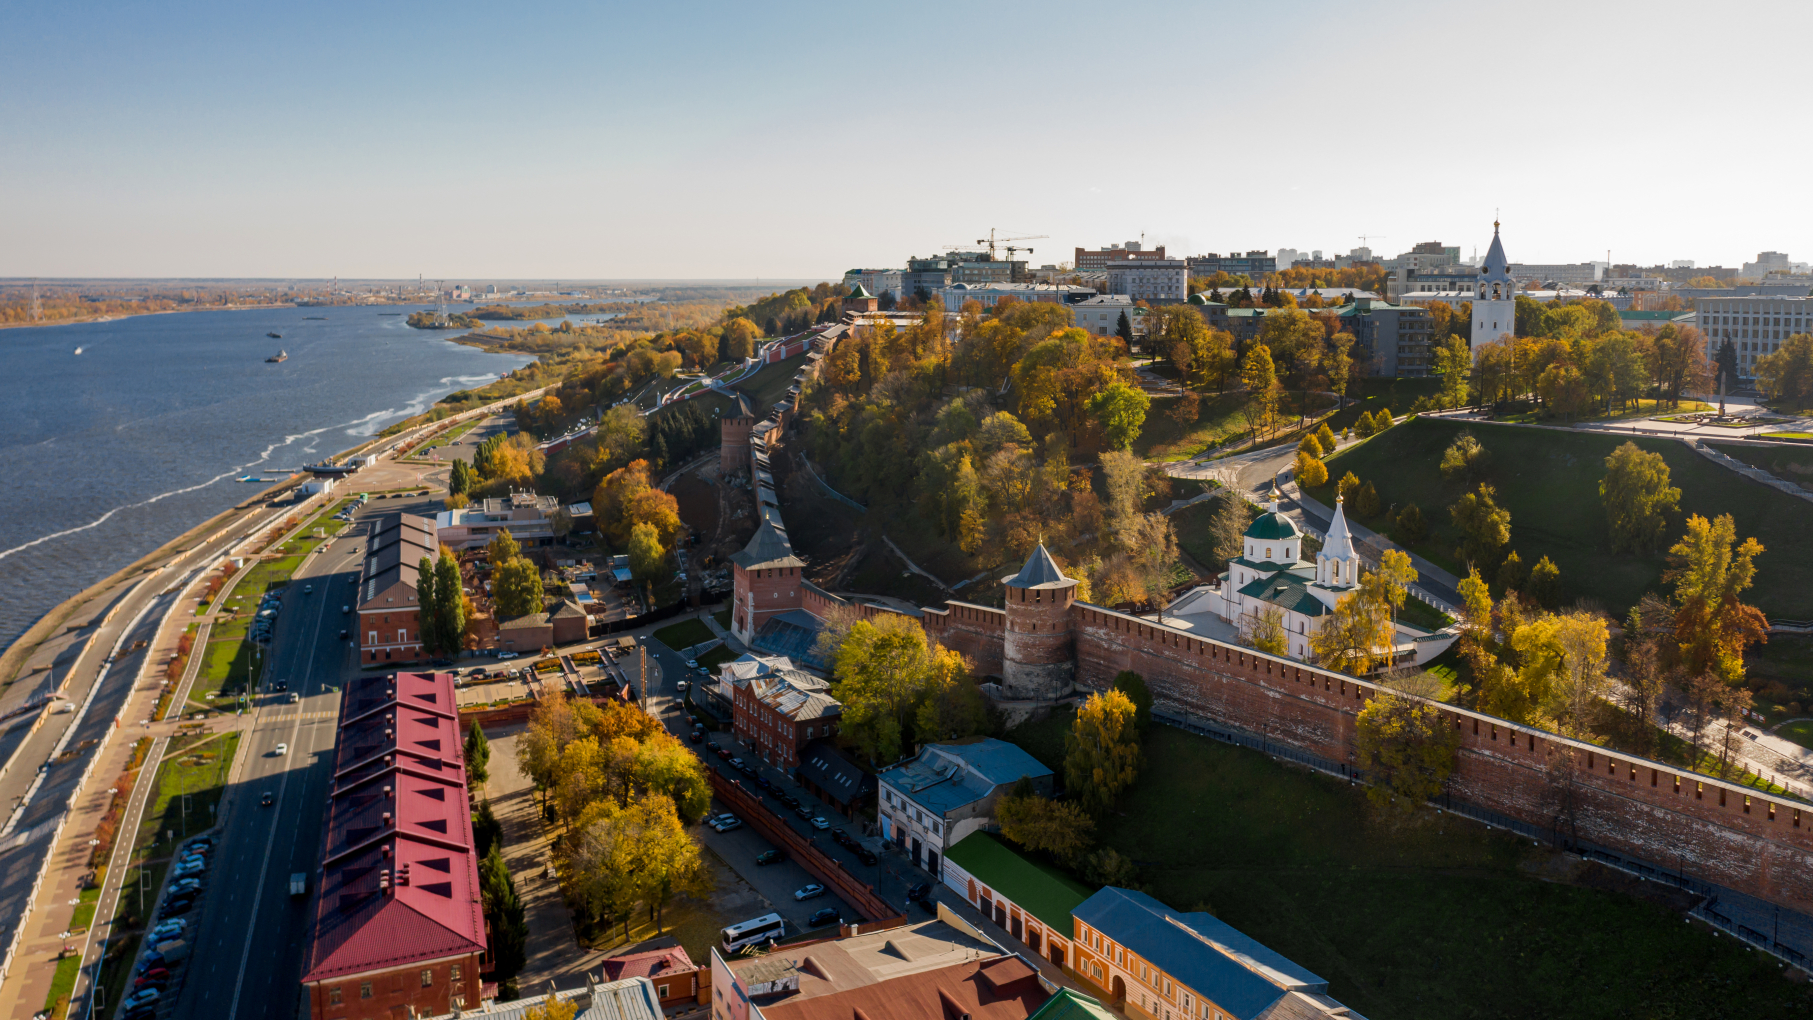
pixel 792 141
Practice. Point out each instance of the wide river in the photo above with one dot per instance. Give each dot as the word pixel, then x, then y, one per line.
pixel 107 454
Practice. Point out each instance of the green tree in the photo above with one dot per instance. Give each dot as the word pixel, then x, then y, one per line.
pixel 1337 363
pixel 1123 328
pixel 1134 687
pixel 1787 374
pixel 1059 828
pixel 509 929
pixel 1466 459
pixel 1511 573
pixel 883 667
pixel 1120 411
pixel 1405 748
pixel 1637 498
pixel 427 610
pixel 1410 527
pixel 450 607
pixel 952 707
pixel 648 559
pixel 459 478
pixel 1544 585
pixel 1102 751
pixel 1485 527
pixel 502 549
pixel 1712 570
pixel 1454 360
pixel 516 588
pixel 1365 500
pixel 1265 630
pixel 478 758
pixel 487 831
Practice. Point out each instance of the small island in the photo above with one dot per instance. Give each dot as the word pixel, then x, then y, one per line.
pixel 435 320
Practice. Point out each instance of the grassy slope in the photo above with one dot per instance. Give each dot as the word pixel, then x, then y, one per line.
pixel 1549 481
pixel 770 384
pixel 1432 917
pixel 1795 463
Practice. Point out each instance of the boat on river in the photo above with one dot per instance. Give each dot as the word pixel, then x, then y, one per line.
pixel 279 356
pixel 275 336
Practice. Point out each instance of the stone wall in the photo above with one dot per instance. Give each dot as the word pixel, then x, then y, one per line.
pixel 976 631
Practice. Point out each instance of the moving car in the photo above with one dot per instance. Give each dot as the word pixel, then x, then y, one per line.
pixel 696 735
pixel 267 799
pixel 308 589
pixel 822 917
pixel 681 686
pixel 770 857
pixel 808 891
pixel 282 749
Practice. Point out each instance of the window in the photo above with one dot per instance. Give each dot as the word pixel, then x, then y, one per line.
pixel 661 991
pixel 333 996
pixel 455 974
pixel 427 978
pixel 365 989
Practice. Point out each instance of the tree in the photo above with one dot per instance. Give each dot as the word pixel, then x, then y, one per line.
pixel 1134 687
pixel 459 478
pixel 1365 500
pixel 1120 411
pixel 1337 363
pixel 502 549
pixel 1185 410
pixel 1310 472
pixel 1476 608
pixel 1264 628
pixel 1544 585
pixel 1361 631
pixel 1787 374
pixel 487 831
pixel 953 706
pixel 516 588
pixel 1465 458
pixel 740 336
pixel 1261 379
pixel 1227 527
pixel 1123 328
pixel 1485 527
pixel 648 558
pixel 1454 360
pixel 1511 574
pixel 427 613
pixel 1582 638
pixel 1325 438
pixel 478 758
pixel 504 909
pixel 1712 570
pixel 882 668
pixel 456 501
pixel 450 608
pixel 1102 751
pixel 1059 828
pixel 1637 498
pixel 1124 486
pixel 1410 526
pixel 1406 748
pixel 1310 445
pixel 552 1008
pixel 1347 486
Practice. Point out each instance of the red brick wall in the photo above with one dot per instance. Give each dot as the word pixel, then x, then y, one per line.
pixel 976 631
pixel 733 445
pixel 387 623
pixel 1501 766
pixel 394 992
pixel 773 590
pixel 1038 646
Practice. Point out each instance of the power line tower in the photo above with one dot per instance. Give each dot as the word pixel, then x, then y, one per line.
pixel 36 312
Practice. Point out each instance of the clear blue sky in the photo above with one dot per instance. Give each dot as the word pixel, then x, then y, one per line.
pixel 604 140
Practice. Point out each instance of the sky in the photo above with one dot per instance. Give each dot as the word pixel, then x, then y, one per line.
pixel 793 141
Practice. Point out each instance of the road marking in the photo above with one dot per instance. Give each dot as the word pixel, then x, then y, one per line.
pixel 271 841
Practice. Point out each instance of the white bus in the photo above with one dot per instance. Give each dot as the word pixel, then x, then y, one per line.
pixel 753 932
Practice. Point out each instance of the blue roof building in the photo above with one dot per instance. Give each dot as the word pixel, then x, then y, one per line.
pixel 1168 965
pixel 930 802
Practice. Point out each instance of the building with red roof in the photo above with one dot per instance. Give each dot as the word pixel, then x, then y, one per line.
pixel 398 922
pixel 674 975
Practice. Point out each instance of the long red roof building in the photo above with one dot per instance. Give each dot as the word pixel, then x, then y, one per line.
pixel 398 920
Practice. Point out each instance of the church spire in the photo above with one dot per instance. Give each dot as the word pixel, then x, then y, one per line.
pixel 1337 565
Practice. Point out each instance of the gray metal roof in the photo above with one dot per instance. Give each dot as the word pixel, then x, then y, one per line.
pixel 1040 571
pixel 769 548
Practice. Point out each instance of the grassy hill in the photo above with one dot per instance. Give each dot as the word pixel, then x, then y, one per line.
pixel 1549 480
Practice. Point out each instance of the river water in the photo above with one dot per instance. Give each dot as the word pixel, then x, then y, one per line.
pixel 107 454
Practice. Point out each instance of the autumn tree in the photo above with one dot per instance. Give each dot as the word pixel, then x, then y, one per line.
pixel 1485 527
pixel 1409 526
pixel 516 588
pixel 1637 498
pixel 1406 748
pixel 1454 361
pixel 883 668
pixel 1712 570
pixel 1263 629
pixel 739 339
pixel 1102 751
pixel 1134 687
pixel 1787 374
pixel 1119 410
pixel 1261 379
pixel 1310 472
pixel 648 557
pixel 1337 364
pixel 552 1008
pixel 1544 584
pixel 1466 459
pixel 1059 828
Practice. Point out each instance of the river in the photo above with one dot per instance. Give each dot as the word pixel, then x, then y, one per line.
pixel 107 454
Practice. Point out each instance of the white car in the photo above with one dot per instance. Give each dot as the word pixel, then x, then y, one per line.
pixel 507 655
pixel 681 686
pixel 820 824
pixel 282 749
pixel 808 891
pixel 140 998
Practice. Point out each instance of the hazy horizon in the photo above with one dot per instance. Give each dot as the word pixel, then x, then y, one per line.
pixel 791 142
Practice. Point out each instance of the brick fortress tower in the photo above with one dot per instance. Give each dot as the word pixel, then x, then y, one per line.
pixel 1039 657
pixel 734 428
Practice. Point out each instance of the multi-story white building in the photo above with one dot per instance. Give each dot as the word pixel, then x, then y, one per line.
pixel 930 802
pixel 1756 325
pixel 528 518
pixel 1150 279
pixel 1580 273
pixel 1101 315
pixel 876 281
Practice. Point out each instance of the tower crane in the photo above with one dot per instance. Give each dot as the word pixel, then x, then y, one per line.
pixel 990 242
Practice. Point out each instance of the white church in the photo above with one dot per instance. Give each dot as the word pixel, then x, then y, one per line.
pixel 1270 574
pixel 1494 296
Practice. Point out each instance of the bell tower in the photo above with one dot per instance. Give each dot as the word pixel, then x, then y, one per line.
pixel 1494 296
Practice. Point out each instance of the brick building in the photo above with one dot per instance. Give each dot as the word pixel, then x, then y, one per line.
pixel 672 973
pixel 398 927
pixel 389 624
pixel 778 711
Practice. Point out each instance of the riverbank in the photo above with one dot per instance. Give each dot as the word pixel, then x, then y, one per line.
pixel 93 319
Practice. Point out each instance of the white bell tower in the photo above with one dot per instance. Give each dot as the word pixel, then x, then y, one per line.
pixel 1337 564
pixel 1494 296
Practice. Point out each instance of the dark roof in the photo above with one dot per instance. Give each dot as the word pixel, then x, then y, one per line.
pixel 1040 571
pixel 794 634
pixel 769 548
pixel 1211 957
pixel 1287 589
pixel 997 988
pixel 833 773
pixel 1046 893
pixel 1273 526
pixel 566 609
pixel 527 621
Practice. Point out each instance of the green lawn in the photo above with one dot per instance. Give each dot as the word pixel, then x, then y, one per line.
pixel 1801 732
pixel 1369 396
pixel 1549 480
pixel 61 985
pixel 1218 420
pixel 723 618
pixel 770 383
pixel 1795 463
pixel 722 653
pixel 1405 918
pixel 193 766
pixel 684 634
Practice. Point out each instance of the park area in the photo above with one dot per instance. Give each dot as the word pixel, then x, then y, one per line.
pixel 1549 481
pixel 1429 916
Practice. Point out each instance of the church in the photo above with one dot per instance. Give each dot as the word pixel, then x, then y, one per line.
pixel 1494 296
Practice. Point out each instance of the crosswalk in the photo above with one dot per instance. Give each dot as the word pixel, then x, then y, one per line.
pixel 305 716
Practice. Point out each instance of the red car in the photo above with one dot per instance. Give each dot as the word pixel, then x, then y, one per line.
pixel 724 753
pixel 156 973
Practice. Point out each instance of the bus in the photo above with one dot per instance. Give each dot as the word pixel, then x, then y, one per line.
pixel 753 932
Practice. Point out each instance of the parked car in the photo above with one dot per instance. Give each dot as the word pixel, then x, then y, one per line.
pixel 185 885
pixel 864 855
pixel 282 749
pixel 151 982
pixel 790 800
pixel 920 891
pixel 202 843
pixel 804 811
pixel 163 972
pixel 821 823
pixel 764 782
pixel 136 998
pixel 722 752
pixel 174 907
pixel 841 838
pixel 735 763
pixel 745 768
pixel 696 735
pixel 507 655
pixel 440 662
pixel 692 664
pixel 168 929
pixel 770 857
pixel 808 891
pixel 820 918
pixel 734 823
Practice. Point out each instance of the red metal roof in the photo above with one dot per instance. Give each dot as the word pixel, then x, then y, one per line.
pixel 399 878
pixel 655 963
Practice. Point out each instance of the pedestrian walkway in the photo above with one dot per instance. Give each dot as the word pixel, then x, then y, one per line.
pixel 731 641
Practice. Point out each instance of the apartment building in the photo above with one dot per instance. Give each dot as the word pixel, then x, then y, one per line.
pixel 1150 279
pixel 1098 260
pixel 529 518
pixel 1253 264
pixel 948 791
pixel 777 710
pixel 388 614
pixel 1756 325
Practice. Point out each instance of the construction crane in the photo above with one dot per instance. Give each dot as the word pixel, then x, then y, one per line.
pixel 1363 239
pixel 990 242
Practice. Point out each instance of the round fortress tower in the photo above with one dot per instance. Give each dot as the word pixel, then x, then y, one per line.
pixel 1039 657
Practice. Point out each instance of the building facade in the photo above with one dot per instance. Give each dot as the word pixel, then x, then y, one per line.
pixel 877 281
pixel 1099 259
pixel 1253 264
pixel 933 801
pixel 388 614
pixel 779 711
pixel 529 518
pixel 1101 314
pixel 1150 279
pixel 1755 325
pixel 398 926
